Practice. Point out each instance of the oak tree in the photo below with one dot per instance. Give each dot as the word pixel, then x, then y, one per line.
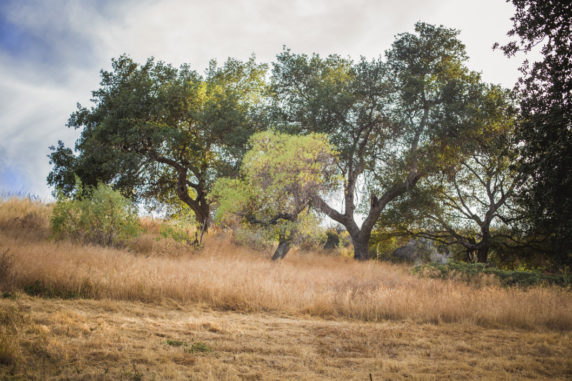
pixel 392 122
pixel 473 204
pixel 162 133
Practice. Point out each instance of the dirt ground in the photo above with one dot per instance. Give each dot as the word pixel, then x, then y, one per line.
pixel 114 340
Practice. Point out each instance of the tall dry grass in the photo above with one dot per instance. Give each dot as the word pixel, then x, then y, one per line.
pixel 224 276
pixel 25 218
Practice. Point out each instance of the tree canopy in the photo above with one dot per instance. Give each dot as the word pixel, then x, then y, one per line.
pixel 545 132
pixel 280 175
pixel 161 133
pixel 412 139
pixel 470 205
pixel 391 121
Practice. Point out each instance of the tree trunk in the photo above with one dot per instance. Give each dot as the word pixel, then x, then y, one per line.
pixel 482 254
pixel 360 237
pixel 361 247
pixel 484 245
pixel 281 250
pixel 203 215
pixel 283 247
pixel 200 206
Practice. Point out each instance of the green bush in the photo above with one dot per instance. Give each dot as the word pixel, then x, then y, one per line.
pixel 102 216
pixel 180 229
pixel 471 272
pixel 256 239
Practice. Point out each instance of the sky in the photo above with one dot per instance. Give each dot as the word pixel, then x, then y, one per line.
pixel 51 52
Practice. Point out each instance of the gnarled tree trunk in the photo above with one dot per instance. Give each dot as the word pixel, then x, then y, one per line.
pixel 283 246
pixel 361 249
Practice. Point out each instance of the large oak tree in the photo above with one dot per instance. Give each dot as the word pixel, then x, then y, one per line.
pixel 393 121
pixel 162 133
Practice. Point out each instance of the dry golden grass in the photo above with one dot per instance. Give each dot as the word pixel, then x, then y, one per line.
pixel 25 218
pixel 263 320
pixel 230 278
pixel 111 340
pixel 227 277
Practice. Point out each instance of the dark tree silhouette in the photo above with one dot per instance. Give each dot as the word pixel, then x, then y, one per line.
pixel 545 133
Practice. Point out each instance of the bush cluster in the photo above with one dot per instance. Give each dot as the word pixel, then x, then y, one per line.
pixel 471 272
pixel 100 216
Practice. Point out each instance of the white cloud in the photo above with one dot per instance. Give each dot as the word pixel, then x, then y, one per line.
pixel 72 41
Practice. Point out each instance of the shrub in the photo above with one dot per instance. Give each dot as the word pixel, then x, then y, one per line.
pixel 256 239
pixel 103 216
pixel 474 272
pixel 178 232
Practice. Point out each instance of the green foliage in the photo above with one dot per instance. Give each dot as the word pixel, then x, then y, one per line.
pixel 101 216
pixel 471 272
pixel 283 172
pixel 198 347
pixel 280 175
pixel 544 133
pixel 471 204
pixel 162 134
pixel 392 121
pixel 232 196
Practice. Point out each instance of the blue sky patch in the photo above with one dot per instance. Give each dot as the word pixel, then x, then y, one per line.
pixel 17 41
pixel 12 180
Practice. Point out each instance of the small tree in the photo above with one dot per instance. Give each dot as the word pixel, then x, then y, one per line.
pixel 471 204
pixel 280 175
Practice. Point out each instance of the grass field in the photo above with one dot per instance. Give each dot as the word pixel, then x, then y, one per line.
pixel 157 310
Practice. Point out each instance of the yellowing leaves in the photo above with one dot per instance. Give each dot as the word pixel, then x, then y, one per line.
pixel 280 175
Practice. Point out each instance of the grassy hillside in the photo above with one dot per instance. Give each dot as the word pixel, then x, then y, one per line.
pixel 159 308
pixel 112 340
